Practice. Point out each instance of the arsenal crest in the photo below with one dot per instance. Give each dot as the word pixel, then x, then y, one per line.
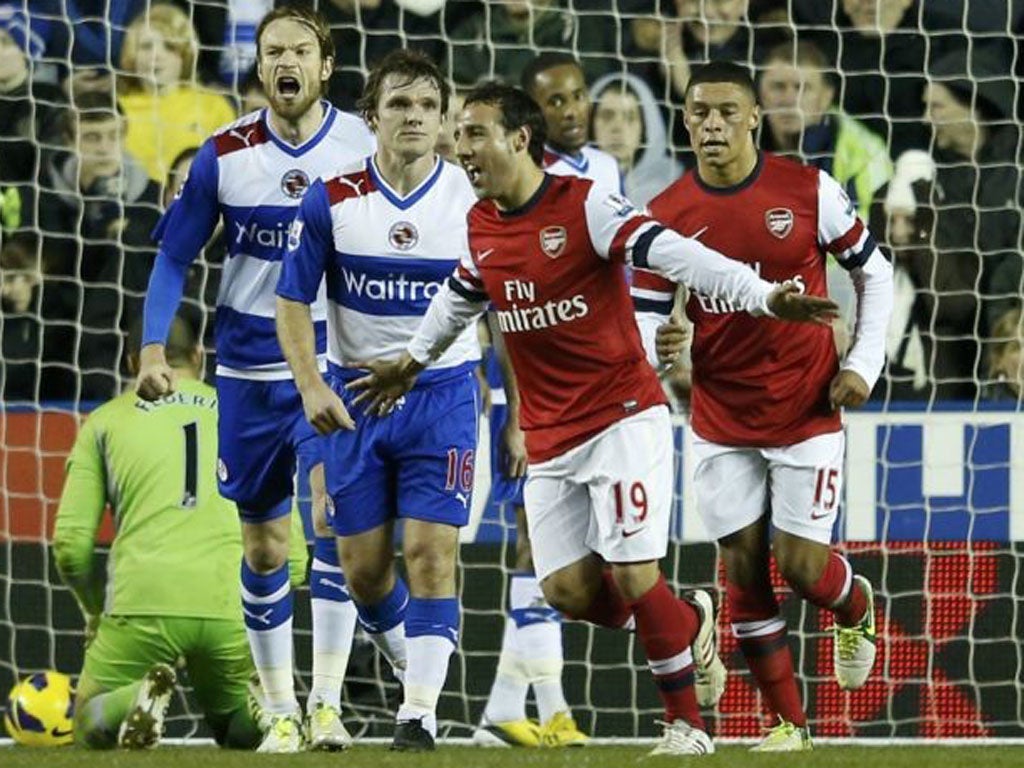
pixel 779 221
pixel 553 240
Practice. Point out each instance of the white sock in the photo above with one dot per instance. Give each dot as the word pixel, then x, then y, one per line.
pixel 507 701
pixel 540 647
pixel 267 609
pixel 334 625
pixel 538 644
pixel 392 645
pixel 425 674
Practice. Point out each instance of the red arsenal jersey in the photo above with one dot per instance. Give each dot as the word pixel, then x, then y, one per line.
pixel 553 272
pixel 761 382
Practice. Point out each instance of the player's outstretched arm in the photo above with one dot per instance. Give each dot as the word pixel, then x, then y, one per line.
pixel 385 383
pixel 787 303
pixel 453 309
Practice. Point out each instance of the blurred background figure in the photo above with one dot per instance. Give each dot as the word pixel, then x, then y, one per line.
pixel 1005 363
pixel 627 124
pixel 797 95
pixel 97 210
pixel 167 110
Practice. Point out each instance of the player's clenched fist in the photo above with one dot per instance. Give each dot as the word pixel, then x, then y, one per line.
pixel 787 303
pixel 669 341
pixel 324 409
pixel 156 379
pixel 848 390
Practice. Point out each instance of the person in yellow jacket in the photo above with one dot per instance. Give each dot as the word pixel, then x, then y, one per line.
pixel 167 110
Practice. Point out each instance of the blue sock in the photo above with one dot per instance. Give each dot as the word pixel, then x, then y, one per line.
pixel 267 606
pixel 432 632
pixel 384 622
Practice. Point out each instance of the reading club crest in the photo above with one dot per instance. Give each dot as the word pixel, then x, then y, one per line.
pixel 295 183
pixel 553 240
pixel 779 221
pixel 403 235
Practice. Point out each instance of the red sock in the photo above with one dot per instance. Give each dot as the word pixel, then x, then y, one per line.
pixel 608 608
pixel 763 640
pixel 666 626
pixel 837 591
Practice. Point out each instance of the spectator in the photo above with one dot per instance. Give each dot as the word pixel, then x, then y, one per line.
pixel 978 182
pixel 28 120
pixel 800 117
pixel 364 31
pixel 167 112
pixel 97 209
pixel 251 93
pixel 1005 363
pixel 502 39
pixel 881 50
pixel 928 346
pixel 696 32
pixel 627 124
pixel 20 322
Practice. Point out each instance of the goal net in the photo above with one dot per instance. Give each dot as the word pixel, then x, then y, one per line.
pixel 932 510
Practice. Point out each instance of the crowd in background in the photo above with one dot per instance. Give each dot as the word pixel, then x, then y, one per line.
pixel 913 105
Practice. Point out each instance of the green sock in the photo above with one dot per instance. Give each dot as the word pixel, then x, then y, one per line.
pixel 99 719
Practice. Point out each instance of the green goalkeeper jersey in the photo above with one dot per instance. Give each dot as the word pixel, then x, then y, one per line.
pixel 178 545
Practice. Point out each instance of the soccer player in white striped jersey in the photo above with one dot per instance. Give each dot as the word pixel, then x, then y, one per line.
pixel 387 231
pixel 252 175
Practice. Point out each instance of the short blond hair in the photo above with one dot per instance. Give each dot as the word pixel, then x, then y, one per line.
pixel 175 27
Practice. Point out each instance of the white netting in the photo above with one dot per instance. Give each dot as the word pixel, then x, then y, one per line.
pixel 935 472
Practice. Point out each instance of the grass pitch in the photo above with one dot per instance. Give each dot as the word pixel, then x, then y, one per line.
pixel 475 757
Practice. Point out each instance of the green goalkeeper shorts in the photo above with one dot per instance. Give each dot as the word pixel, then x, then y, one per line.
pixel 215 652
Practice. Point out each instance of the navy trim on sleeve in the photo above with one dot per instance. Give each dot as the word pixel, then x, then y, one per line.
pixel 860 258
pixel 643 244
pixel 662 307
pixel 468 294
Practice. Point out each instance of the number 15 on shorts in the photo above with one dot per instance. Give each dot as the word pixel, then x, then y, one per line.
pixel 826 491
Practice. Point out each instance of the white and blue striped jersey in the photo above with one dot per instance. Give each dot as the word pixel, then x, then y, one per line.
pixel 590 163
pixel 254 181
pixel 384 256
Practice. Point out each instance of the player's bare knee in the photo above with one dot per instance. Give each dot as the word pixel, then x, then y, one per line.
pixel 431 570
pixel 566 595
pixel 266 556
pixel 800 561
pixel 634 580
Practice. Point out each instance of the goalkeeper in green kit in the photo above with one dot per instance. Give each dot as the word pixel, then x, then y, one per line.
pixel 169 593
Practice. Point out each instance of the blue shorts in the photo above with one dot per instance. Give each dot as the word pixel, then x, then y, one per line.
pixel 415 463
pixel 504 489
pixel 262 429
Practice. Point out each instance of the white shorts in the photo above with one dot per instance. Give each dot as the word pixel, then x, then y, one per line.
pixel 800 484
pixel 612 495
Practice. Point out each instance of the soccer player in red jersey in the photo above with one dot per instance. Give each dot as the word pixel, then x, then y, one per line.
pixel 767 397
pixel 547 252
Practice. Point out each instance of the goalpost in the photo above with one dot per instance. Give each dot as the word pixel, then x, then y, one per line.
pixel 932 510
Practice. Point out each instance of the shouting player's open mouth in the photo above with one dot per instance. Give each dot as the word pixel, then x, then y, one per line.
pixel 288 86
